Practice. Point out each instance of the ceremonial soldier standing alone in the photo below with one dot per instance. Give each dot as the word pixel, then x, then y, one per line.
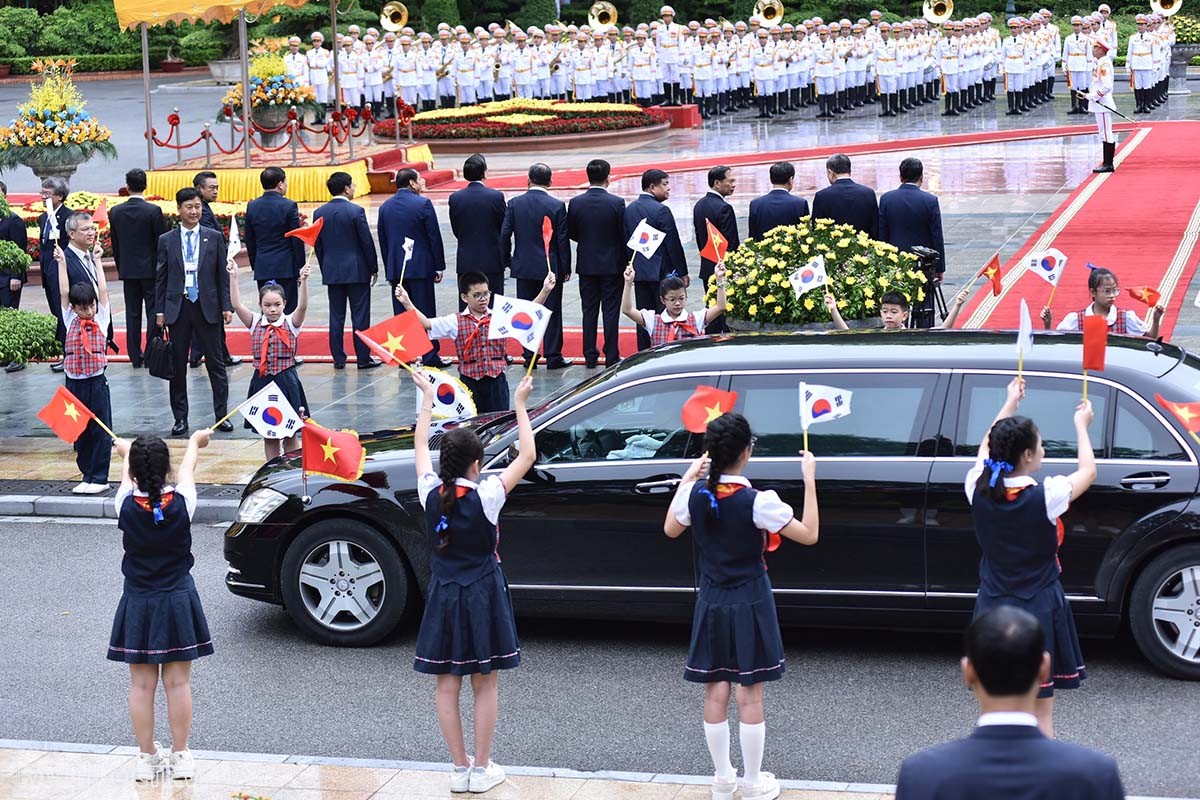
pixel 1100 98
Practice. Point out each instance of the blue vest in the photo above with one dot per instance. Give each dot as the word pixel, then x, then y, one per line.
pixel 1019 544
pixel 157 557
pixel 730 545
pixel 471 553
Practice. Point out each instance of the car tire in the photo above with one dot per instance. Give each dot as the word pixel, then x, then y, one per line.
pixel 1164 612
pixel 324 571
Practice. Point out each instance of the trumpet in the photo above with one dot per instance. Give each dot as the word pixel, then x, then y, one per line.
pixel 602 15
pixel 768 10
pixel 938 11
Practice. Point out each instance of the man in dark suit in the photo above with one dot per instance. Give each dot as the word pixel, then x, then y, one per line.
pixel 192 293
pixel 83 258
pixel 778 206
pixel 135 227
pixel 476 214
pixel 12 229
pixel 909 216
pixel 54 191
pixel 408 215
pixel 1008 757
pixel 715 209
pixel 845 201
pixel 207 183
pixel 349 268
pixel 650 205
pixel 272 256
pixel 523 253
pixel 596 220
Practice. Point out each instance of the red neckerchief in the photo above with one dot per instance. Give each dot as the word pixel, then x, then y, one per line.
pixel 681 324
pixel 728 490
pixel 86 325
pixel 479 323
pixel 1011 493
pixel 144 502
pixel 272 330
pixel 459 491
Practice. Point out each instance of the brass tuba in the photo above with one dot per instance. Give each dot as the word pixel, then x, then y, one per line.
pixel 769 11
pixel 602 15
pixel 937 11
pixel 394 16
pixel 1166 8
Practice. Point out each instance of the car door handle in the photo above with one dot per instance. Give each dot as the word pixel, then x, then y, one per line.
pixel 657 487
pixel 1145 480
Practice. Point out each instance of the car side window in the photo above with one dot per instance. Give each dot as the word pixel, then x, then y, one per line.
pixel 887 413
pixel 636 422
pixel 1138 435
pixel 1049 401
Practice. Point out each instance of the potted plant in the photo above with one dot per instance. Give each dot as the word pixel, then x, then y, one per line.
pixel 172 62
pixel 8 51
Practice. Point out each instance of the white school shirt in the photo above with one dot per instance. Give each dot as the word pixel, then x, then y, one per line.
pixel 651 318
pixel 490 490
pixel 1056 487
pixel 1007 718
pixel 185 490
pixel 1133 323
pixel 770 513
pixel 102 318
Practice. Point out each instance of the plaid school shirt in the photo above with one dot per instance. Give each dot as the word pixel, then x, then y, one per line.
pixel 85 350
pixel 478 356
pixel 273 347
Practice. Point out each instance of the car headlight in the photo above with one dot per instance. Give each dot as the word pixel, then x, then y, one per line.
pixel 259 505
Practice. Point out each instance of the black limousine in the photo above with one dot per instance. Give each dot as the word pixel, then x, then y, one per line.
pixel 582 535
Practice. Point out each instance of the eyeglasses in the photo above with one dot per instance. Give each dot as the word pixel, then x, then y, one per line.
pixel 480 295
pixel 1109 292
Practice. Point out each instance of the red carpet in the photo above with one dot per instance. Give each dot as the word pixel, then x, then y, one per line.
pixel 1141 222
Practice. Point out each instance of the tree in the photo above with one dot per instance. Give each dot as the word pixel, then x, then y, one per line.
pixel 535 12
pixel 435 11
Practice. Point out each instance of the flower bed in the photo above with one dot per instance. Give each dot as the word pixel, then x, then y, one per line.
pixel 522 118
pixel 270 87
pixel 860 271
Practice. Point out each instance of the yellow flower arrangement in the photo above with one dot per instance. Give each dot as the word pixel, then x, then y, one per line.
pixel 53 127
pixel 270 86
pixel 519 119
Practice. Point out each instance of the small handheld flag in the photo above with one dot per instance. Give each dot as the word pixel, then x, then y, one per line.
pixel 645 240
pixel 547 234
pixel 521 320
pixel 992 273
pixel 235 238
pixel 270 413
pixel 706 404
pixel 1188 414
pixel 1095 342
pixel 334 454
pixel 716 246
pixel 399 339
pixel 1024 337
pixel 1145 294
pixel 808 277
pixel 53 218
pixel 451 398
pixel 822 404
pixel 100 217
pixel 66 415
pixel 1047 264
pixel 308 234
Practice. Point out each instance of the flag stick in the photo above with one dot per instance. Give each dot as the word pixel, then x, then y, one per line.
pixel 1085 385
pixel 806 438
pixel 104 427
pixel 1020 362
pixel 228 416
pixel 532 363
pixel 548 268
pixel 1050 299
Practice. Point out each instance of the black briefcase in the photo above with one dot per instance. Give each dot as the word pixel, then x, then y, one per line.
pixel 160 356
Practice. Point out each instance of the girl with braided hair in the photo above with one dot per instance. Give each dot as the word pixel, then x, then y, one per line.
pixel 735 629
pixel 1019 531
pixel 159 627
pixel 468 626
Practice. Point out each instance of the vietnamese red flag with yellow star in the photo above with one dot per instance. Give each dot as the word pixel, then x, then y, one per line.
pixel 547 235
pixel 398 340
pixel 308 234
pixel 1095 342
pixel 705 405
pixel 717 245
pixel 334 454
pixel 992 273
pixel 1145 294
pixel 100 217
pixel 1188 414
pixel 66 415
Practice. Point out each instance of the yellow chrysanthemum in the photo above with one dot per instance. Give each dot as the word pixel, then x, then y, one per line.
pixel 809 304
pixel 752 310
pixel 868 304
pixel 778 309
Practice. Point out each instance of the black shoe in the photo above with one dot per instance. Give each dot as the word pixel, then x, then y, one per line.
pixel 298 361
pixel 559 363
pixel 57 366
pixel 233 361
pixel 225 427
pixel 589 363
pixel 370 364
pixel 340 365
pixel 15 366
pixel 436 362
pixel 180 428
pixel 135 364
pixel 194 362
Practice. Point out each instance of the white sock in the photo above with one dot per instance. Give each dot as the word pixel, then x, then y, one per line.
pixel 753 739
pixel 717 736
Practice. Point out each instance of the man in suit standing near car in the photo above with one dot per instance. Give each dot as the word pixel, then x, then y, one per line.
pixel 209 186
pixel 53 232
pixel 135 227
pixel 596 221
pixel 651 206
pixel 910 216
pixel 778 206
pixel 1008 757
pixel 349 268
pixel 715 209
pixel 272 256
pixel 523 253
pixel 407 215
pixel 845 201
pixel 192 293
pixel 476 215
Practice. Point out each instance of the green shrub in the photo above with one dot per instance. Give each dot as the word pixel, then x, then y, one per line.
pixel 435 11
pixel 201 46
pixel 91 63
pixel 13 260
pixel 91 25
pixel 25 336
pixel 10 49
pixel 20 27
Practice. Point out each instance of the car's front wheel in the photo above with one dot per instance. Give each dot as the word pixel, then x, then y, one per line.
pixel 345 583
pixel 1164 612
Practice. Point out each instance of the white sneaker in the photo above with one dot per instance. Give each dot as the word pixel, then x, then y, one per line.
pixel 484 778
pixel 183 766
pixel 151 765
pixel 766 788
pixel 460 777
pixel 90 488
pixel 723 788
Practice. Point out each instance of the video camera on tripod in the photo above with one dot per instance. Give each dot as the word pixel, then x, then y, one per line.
pixel 923 316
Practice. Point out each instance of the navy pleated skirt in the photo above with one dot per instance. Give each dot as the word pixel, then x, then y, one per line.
pixel 735 635
pixel 289 384
pixel 160 627
pixel 1052 610
pixel 468 629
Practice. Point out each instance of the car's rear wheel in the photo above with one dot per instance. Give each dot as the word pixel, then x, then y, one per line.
pixel 345 583
pixel 1164 612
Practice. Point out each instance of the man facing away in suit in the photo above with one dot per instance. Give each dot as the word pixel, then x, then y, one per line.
pixel 476 215
pixel 910 216
pixel 651 206
pixel 272 256
pixel 596 222
pixel 349 268
pixel 778 206
pixel 191 293
pixel 1007 757
pixel 407 215
pixel 523 253
pixel 12 229
pixel 209 186
pixel 715 209
pixel 845 201
pixel 53 232
pixel 135 227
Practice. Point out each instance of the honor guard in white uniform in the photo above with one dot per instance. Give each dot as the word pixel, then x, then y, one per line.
pixel 991 58
pixel 295 63
pixel 320 65
pixel 1108 28
pixel 444 51
pixel 856 67
pixel 524 67
pixel 601 67
pixel 762 61
pixel 949 54
pixel 703 76
pixel 1075 64
pixel 885 71
pixel 558 50
pixel 824 55
pixel 1100 102
pixel 404 71
pixel 642 65
pixel 504 54
pixel 1013 49
pixel 349 71
pixel 666 46
pixel 465 63
pixel 485 66
pixel 426 72
pixel 373 64
pixel 1139 59
pixel 582 82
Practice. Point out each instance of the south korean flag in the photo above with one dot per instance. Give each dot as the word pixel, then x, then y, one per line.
pixel 451 397
pixel 270 414
pixel 522 320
